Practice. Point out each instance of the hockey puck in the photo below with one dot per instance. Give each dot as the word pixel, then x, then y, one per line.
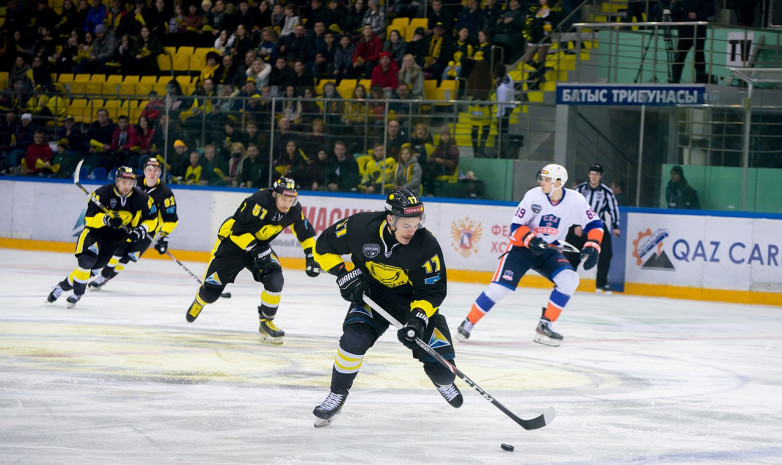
pixel 507 447
pixel 226 295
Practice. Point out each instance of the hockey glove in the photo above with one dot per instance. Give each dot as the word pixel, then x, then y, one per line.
pixel 589 254
pixel 113 222
pixel 262 257
pixel 352 285
pixel 162 244
pixel 312 267
pixel 537 245
pixel 139 233
pixel 414 328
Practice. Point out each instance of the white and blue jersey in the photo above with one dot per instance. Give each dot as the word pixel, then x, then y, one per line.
pixel 551 222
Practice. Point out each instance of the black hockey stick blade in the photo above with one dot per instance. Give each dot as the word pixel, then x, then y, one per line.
pixel 538 422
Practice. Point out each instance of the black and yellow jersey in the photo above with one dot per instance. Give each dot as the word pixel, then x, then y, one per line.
pixel 402 275
pixel 257 220
pixel 166 205
pixel 135 210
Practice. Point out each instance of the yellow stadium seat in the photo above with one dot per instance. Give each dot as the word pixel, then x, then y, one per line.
pixel 95 88
pixel 160 88
pixel 127 88
pixel 99 78
pixel 109 88
pixel 414 24
pixel 81 78
pixel 198 59
pixel 148 80
pixel 165 62
pixel 367 83
pixel 132 79
pixel 446 90
pixel 346 88
pixel 113 78
pixel 400 24
pixel 430 89
pixel 62 78
pixel 181 62
pixel 144 88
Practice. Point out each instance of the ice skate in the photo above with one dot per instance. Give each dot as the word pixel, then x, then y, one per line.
pixel 97 283
pixel 329 408
pixel 607 289
pixel 72 300
pixel 451 394
pixel 55 294
pixel 193 311
pixel 545 335
pixel 270 332
pixel 463 331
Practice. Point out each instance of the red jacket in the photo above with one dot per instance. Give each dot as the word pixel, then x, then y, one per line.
pixel 128 141
pixel 387 78
pixel 368 51
pixel 37 152
pixel 152 111
pixel 143 140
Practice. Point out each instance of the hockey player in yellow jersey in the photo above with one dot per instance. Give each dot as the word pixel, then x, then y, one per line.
pixel 399 264
pixel 132 215
pixel 244 241
pixel 165 202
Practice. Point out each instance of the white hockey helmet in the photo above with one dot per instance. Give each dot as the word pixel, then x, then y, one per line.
pixel 554 172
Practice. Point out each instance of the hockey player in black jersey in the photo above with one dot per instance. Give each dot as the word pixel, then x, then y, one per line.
pixel 132 216
pixel 400 265
pixel 165 202
pixel 244 241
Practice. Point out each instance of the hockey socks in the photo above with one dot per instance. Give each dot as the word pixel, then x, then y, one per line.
pixel 480 307
pixel 556 303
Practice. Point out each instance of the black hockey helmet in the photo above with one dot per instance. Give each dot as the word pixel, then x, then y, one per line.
pixel 286 186
pixel 124 172
pixel 405 203
pixel 152 161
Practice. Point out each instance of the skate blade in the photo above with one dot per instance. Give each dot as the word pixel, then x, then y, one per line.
pixel 319 422
pixel 547 341
pixel 72 305
pixel 461 337
pixel 271 340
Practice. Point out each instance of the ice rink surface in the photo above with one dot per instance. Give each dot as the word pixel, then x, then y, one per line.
pixel 124 379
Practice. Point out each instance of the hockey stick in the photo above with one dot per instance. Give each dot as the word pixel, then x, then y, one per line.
pixel 562 246
pixel 538 422
pixel 226 295
pixel 105 210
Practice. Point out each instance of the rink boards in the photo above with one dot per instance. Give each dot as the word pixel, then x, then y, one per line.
pixel 700 255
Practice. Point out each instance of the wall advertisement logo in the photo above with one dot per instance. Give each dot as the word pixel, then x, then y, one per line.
pixel 466 234
pixel 648 250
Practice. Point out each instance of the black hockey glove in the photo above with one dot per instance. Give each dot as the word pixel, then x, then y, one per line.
pixel 352 285
pixel 113 222
pixel 312 267
pixel 162 244
pixel 262 257
pixel 589 254
pixel 537 245
pixel 414 328
pixel 139 233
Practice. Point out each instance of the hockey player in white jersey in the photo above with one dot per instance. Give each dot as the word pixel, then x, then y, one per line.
pixel 542 218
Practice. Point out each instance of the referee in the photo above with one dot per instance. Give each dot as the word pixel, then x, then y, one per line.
pixel 603 202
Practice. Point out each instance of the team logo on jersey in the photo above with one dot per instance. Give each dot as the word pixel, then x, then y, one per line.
pixel 438 340
pixel 651 244
pixel 432 279
pixel 371 250
pixel 277 216
pixel 213 279
pixel 507 275
pixel 549 224
pixel 536 208
pixel 112 204
pixel 466 234
pixel 387 275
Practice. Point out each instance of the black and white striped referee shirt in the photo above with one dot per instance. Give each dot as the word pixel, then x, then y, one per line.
pixel 602 200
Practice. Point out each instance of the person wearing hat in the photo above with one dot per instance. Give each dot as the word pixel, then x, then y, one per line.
pixel 603 203
pixel 102 50
pixel 385 74
pixel 679 193
pixel 439 51
pixel 71 133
